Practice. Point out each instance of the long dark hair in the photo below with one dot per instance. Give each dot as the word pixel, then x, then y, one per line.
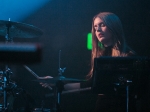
pixel 114 24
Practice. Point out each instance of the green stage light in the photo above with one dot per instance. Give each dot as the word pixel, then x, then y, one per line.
pixel 89 41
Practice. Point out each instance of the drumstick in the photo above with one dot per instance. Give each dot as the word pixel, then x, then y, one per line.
pixel 34 74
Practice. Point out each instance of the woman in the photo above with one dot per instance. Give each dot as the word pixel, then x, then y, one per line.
pixel 108 40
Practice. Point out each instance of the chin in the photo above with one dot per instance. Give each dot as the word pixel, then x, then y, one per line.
pixel 101 40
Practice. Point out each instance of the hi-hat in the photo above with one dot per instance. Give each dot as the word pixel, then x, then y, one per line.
pixel 59 78
pixel 17 29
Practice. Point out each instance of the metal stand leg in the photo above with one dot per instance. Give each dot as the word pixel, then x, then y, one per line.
pixel 5 94
pixel 127 95
pixel 127 90
pixel 6 87
pixel 58 90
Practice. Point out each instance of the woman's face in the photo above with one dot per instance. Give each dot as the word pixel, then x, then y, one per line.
pixel 102 32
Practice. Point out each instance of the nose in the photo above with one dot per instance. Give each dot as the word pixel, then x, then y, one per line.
pixel 98 29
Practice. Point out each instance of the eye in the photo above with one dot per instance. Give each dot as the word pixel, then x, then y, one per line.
pixel 102 25
pixel 95 27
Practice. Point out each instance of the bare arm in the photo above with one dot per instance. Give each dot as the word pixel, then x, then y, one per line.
pixel 71 86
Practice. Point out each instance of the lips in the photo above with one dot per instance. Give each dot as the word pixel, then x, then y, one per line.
pixel 100 35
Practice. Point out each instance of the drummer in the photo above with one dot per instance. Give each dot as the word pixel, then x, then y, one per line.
pixel 107 40
pixel 107 31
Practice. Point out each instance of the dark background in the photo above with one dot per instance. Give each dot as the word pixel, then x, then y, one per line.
pixel 65 24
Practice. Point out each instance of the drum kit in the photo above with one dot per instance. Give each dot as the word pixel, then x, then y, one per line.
pixel 10 30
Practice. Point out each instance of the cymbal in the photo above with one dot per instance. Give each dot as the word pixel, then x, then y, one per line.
pixel 20 30
pixel 59 78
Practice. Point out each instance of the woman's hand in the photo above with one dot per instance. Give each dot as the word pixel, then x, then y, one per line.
pixel 46 85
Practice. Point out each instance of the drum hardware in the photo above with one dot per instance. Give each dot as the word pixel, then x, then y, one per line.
pixel 6 87
pixel 53 80
pixel 59 82
pixel 55 83
pixel 124 82
pixel 63 79
pixel 36 76
pixel 6 76
pixel 11 29
pixel 42 109
pixel 58 87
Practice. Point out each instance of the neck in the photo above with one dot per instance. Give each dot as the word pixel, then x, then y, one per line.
pixel 107 45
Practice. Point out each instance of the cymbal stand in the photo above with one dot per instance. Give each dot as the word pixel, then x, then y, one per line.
pixel 127 94
pixel 127 84
pixel 6 73
pixel 57 95
pixel 7 37
pixel 6 77
pixel 58 89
